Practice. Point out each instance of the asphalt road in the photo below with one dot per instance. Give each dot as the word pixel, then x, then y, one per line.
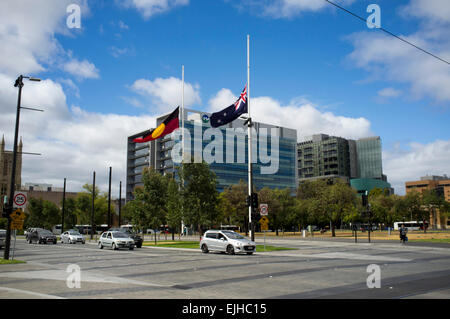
pixel 317 269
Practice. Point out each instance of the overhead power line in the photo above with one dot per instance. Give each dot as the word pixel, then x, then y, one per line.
pixel 388 32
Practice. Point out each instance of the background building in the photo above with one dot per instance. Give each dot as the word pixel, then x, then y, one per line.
pixel 359 162
pixel 6 158
pixel 438 184
pixel 46 192
pixel 158 154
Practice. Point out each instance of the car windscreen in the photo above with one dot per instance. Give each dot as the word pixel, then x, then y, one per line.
pixel 233 235
pixel 45 233
pixel 74 233
pixel 120 235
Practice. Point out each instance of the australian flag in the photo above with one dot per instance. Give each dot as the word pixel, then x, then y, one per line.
pixel 232 112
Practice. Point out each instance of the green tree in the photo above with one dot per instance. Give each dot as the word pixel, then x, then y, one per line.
pixel 150 203
pixel 84 206
pixel 233 206
pixel 174 206
pixel 42 213
pixel 200 196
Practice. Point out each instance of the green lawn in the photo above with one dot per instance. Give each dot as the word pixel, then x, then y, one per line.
pixel 431 240
pixel 7 262
pixel 195 245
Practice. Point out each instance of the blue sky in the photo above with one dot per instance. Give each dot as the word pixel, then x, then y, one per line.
pixel 306 56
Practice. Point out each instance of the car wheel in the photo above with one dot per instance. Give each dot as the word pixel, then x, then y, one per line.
pixel 100 245
pixel 249 253
pixel 205 249
pixel 230 249
pixel 139 246
pixel 114 247
pixel 131 248
pixel 29 241
pixel 54 242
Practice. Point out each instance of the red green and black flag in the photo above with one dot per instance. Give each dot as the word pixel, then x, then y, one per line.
pixel 170 124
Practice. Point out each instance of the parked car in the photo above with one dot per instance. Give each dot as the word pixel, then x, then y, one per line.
pixel 2 237
pixel 137 239
pixel 115 240
pixel 226 241
pixel 72 236
pixel 41 236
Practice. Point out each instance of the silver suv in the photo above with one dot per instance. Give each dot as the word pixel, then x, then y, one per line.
pixel 226 241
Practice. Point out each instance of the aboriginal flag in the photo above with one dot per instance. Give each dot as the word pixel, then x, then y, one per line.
pixel 170 124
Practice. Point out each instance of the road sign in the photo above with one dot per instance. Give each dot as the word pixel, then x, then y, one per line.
pixel 264 222
pixel 20 200
pixel 264 209
pixel 17 218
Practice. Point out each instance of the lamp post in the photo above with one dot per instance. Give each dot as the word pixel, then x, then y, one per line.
pixel 19 84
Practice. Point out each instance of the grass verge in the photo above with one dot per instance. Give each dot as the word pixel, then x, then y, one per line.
pixel 195 245
pixel 8 262
pixel 431 240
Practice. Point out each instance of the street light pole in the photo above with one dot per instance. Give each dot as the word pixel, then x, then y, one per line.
pixel 19 84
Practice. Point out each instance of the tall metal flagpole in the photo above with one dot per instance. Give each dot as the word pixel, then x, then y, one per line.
pixel 250 177
pixel 182 112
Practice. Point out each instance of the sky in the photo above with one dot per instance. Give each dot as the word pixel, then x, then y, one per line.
pixel 314 68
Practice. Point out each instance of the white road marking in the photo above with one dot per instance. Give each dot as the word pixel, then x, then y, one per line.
pixel 27 292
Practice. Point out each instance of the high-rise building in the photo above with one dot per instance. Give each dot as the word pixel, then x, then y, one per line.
pixel 6 158
pixel 230 154
pixel 358 162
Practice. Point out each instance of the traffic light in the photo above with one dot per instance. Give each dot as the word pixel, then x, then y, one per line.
pixel 6 211
pixel 255 204
pixel 256 216
pixel 365 199
pixel 248 201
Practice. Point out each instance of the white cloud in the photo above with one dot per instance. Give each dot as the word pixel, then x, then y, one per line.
pixel 149 8
pixel 287 8
pixel 389 93
pixel 165 94
pixel 389 59
pixel 81 69
pixel 299 114
pixel 73 143
pixel 417 160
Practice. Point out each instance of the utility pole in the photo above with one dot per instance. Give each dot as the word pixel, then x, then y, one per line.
pixel 93 207
pixel 63 207
pixel 120 203
pixel 109 198
pixel 9 208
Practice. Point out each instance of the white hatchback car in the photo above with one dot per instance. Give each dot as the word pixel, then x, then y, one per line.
pixel 115 240
pixel 226 241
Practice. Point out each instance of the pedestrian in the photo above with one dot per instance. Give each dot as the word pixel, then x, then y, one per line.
pixel 403 231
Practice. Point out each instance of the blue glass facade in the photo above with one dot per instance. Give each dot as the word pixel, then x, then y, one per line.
pixel 230 155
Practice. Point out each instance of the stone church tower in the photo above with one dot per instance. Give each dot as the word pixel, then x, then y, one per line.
pixel 6 158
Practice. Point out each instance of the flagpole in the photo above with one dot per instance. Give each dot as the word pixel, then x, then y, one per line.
pixel 250 177
pixel 182 112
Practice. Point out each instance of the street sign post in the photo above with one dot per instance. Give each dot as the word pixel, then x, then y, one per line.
pixel 20 200
pixel 17 219
pixel 264 209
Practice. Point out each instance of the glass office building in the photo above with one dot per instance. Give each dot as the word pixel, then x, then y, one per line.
pixel 369 158
pixel 357 161
pixel 225 149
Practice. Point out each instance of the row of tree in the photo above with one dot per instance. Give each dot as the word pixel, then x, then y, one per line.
pixel 193 199
pixel 45 214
